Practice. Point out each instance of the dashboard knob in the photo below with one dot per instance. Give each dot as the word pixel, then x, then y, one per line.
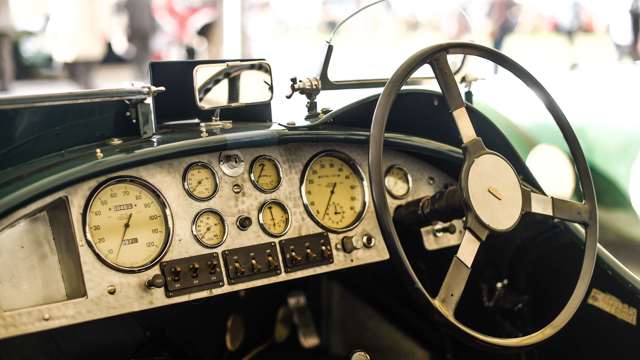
pixel 156 281
pixel 348 245
pixel 244 222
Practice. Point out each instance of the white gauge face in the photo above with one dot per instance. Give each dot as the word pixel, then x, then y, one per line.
pixel 200 181
pixel 274 218
pixel 397 181
pixel 334 192
pixel 265 174
pixel 209 228
pixel 127 224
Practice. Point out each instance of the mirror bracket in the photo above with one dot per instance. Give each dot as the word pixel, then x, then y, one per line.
pixel 310 88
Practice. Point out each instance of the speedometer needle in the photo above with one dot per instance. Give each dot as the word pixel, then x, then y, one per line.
pixel 333 190
pixel 124 233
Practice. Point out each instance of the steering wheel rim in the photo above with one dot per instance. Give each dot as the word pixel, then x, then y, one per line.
pixel 584 213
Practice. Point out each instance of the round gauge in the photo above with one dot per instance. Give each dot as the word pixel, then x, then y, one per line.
pixel 334 191
pixel 397 181
pixel 128 224
pixel 209 228
pixel 265 173
pixel 200 181
pixel 274 218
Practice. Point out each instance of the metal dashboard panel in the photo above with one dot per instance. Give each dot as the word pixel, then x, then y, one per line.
pixel 130 292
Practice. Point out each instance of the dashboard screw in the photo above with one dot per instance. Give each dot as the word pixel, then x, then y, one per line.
pixel 111 289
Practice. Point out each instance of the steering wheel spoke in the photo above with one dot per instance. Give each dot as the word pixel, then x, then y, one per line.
pixel 458 274
pixel 452 95
pixel 562 209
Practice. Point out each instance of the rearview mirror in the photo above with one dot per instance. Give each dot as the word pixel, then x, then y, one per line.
pixel 232 84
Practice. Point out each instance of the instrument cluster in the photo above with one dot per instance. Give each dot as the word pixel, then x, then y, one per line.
pixel 128 223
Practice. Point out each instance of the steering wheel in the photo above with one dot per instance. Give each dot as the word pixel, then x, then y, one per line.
pixel 489 192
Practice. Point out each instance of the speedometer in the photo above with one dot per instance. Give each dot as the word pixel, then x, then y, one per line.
pixel 128 224
pixel 334 191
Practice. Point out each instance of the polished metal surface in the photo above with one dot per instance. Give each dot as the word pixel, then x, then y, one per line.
pixel 463 122
pixel 79 96
pixel 132 294
pixel 541 204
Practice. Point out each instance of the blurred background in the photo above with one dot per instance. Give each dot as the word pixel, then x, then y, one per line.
pixel 50 45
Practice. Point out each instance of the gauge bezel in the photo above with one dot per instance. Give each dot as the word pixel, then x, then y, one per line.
pixel 254 181
pixel 355 167
pixel 409 179
pixel 195 233
pixel 261 218
pixel 168 217
pixel 185 183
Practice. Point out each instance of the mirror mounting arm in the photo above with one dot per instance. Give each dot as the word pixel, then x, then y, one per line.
pixel 310 88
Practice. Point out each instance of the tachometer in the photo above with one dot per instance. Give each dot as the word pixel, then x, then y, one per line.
pixel 128 224
pixel 334 191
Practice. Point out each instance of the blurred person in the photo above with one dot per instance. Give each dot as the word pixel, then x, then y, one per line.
pixel 634 11
pixel 568 23
pixel 503 16
pixel 7 63
pixel 77 36
pixel 504 19
pixel 621 30
pixel 141 27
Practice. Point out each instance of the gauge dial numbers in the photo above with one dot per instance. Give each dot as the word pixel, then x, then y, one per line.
pixel 128 224
pixel 334 191
pixel 209 228
pixel 274 218
pixel 265 173
pixel 397 181
pixel 200 181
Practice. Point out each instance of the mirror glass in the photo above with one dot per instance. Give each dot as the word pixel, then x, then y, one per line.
pixel 232 84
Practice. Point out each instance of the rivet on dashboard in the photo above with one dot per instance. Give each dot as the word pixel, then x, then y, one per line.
pixel 111 289
pixel 431 180
pixel 46 317
pixel 99 154
pixel 236 188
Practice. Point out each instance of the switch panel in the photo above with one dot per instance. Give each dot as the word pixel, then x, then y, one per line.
pixel 305 252
pixel 191 274
pixel 251 262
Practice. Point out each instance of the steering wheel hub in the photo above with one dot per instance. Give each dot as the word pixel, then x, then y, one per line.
pixel 494 192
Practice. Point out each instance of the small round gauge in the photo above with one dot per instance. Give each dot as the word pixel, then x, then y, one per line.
pixel 200 181
pixel 266 174
pixel 274 218
pixel 128 224
pixel 334 191
pixel 397 181
pixel 209 228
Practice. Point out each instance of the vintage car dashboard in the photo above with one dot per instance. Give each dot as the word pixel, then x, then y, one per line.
pixel 198 226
